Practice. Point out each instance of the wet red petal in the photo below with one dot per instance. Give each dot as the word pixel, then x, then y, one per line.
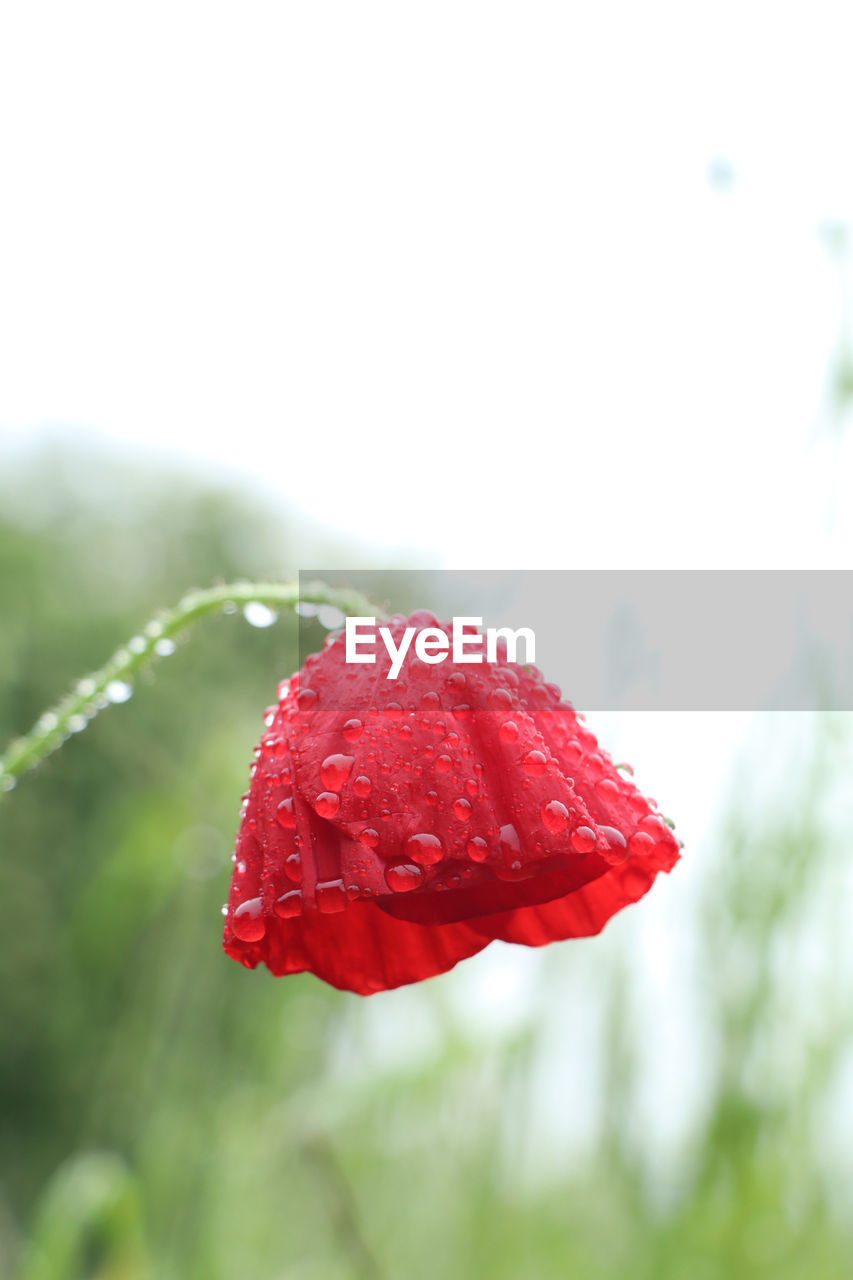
pixel 394 827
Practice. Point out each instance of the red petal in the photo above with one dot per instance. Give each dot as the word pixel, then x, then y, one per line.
pixel 395 826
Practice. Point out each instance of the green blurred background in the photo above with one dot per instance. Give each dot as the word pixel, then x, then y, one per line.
pixel 596 1109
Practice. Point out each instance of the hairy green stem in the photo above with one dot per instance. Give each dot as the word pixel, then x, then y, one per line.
pixel 111 684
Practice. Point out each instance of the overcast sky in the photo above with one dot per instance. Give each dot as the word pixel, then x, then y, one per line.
pixel 517 285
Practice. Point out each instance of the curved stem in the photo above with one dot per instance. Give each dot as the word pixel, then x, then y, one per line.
pixel 111 684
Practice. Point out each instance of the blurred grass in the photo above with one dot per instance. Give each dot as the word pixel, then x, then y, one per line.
pixel 166 1114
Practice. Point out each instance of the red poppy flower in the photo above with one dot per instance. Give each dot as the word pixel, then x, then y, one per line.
pixel 394 827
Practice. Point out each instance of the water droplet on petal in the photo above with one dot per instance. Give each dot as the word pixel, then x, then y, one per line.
pixel 402 877
pixel 289 904
pixel 284 813
pixel 361 786
pixel 583 839
pixel 307 699
pixel 353 730
pixel 335 770
pixel 508 731
pixel 443 764
pixel 248 922
pixel 293 867
pixel 330 896
pixel 369 837
pixel 462 809
pixel 614 838
pixel 393 711
pixel 607 787
pixel 165 648
pixel 555 816
pixel 327 804
pixel 424 848
pixel 641 842
pixel 534 763
pixel 477 849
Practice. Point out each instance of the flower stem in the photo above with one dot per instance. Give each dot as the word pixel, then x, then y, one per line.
pixel 111 684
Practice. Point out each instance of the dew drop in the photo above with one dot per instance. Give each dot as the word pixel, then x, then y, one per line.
pixel 335 770
pixel 307 699
pixel 462 809
pixel 165 648
pixel 118 691
pixel 393 711
pixel 361 786
pixel 330 617
pixel 284 813
pixel 402 877
pixel 289 904
pixel 248 922
pixel 462 711
pixel 607 787
pixel 641 842
pixel 456 681
pixel 330 896
pixel 534 763
pixel 431 798
pixel 293 867
pixel 353 730
pixel 500 700
pixel 477 849
pixel 259 615
pixel 508 731
pixel 424 848
pixel 443 764
pixel 369 837
pixel 430 701
pixel 555 816
pixel 472 786
pixel 327 804
pixel 614 838
pixel 583 839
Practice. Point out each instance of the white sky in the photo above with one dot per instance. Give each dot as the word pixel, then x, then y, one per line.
pixel 449 275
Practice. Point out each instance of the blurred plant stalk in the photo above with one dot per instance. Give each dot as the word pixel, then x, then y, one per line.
pixel 112 683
